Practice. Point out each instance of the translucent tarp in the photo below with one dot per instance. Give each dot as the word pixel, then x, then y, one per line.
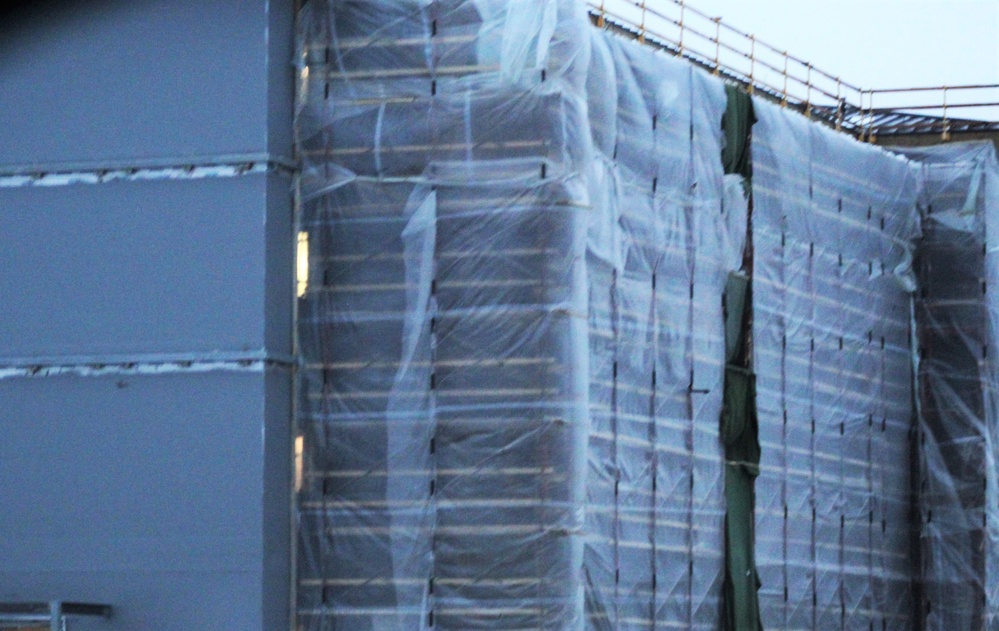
pixel 512 338
pixel 833 228
pixel 666 229
pixel 957 313
pixel 512 333
pixel 444 331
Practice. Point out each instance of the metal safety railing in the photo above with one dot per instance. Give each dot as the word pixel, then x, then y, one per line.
pixel 50 615
pixel 763 67
pixel 901 110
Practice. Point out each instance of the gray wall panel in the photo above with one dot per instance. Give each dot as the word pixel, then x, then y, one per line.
pixel 279 246
pixel 159 488
pixel 151 601
pixel 142 489
pixel 142 266
pixel 145 79
pixel 277 500
pixel 281 76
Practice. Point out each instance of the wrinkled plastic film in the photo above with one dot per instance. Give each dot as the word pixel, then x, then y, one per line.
pixel 519 236
pixel 668 230
pixel 833 229
pixel 512 336
pixel 956 315
pixel 444 397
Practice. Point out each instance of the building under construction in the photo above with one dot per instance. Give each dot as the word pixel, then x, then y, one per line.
pixel 601 320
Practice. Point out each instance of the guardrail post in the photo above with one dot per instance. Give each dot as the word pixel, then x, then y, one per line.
pixel 683 10
pixel 870 117
pixel 55 613
pixel 717 21
pixel 641 28
pixel 945 134
pixel 783 100
pixel 839 104
pixel 808 91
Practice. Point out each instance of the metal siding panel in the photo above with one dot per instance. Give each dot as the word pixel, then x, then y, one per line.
pixel 136 267
pixel 281 257
pixel 277 500
pixel 144 491
pixel 136 80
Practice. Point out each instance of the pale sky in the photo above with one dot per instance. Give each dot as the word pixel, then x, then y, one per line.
pixel 878 43
pixel 875 43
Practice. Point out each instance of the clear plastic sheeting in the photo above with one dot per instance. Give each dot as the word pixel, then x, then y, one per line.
pixel 512 335
pixel 666 230
pixel 833 229
pixel 444 335
pixel 957 314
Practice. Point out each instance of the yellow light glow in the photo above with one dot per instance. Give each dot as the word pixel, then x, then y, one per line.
pixel 299 461
pixel 303 263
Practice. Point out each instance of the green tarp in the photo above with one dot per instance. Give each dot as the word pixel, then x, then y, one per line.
pixel 739 429
pixel 737 122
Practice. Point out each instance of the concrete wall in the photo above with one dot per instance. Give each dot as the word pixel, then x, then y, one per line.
pixel 146 284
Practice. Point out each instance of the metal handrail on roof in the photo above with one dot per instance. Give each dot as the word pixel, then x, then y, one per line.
pixel 741 57
pixel 52 614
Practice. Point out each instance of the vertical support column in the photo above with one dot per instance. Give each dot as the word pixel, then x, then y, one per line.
pixel 55 616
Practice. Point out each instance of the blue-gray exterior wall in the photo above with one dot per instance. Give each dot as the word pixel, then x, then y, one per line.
pixel 145 324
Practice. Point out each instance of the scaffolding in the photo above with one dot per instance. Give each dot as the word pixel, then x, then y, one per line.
pixel 834 226
pixel 764 69
pixel 518 234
